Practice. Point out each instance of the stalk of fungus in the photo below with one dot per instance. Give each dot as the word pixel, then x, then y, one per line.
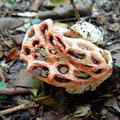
pixel 64 58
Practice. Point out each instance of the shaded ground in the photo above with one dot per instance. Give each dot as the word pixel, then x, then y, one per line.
pixel 54 103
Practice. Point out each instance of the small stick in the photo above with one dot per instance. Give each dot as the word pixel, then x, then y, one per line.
pixel 23 106
pixel 75 10
pixel 2 75
pixel 12 91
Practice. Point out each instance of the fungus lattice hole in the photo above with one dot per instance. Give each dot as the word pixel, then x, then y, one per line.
pixel 88 66
pixel 95 61
pixel 42 71
pixel 82 75
pixel 35 43
pixel 31 34
pixel 61 79
pixel 44 29
pixel 41 54
pixel 77 55
pixel 98 71
pixel 27 51
pixel 51 39
pixel 63 59
pixel 63 69
pixel 53 52
pixel 59 40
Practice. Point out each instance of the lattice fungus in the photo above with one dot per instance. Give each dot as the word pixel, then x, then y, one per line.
pixel 62 57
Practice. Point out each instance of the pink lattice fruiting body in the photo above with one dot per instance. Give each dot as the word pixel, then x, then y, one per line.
pixel 63 58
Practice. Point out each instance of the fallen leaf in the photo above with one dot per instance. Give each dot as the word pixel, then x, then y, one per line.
pixel 47 100
pixel 10 1
pixel 18 38
pixel 14 67
pixel 12 54
pixel 2 75
pixel 59 24
pixel 36 4
pixel 10 23
pixel 34 91
pixel 2 84
pixel 104 111
pixel 118 65
pixel 114 47
pixel 111 116
pixel 116 57
pixel 115 51
pixel 73 118
pixel 82 111
pixel 1 51
pixel 66 11
pixel 101 19
pixel 114 27
pixel 58 3
pixel 113 103
pixel 48 116
pixel 25 79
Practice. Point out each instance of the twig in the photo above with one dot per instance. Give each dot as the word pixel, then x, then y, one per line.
pixel 2 76
pixel 12 91
pixel 75 10
pixel 20 107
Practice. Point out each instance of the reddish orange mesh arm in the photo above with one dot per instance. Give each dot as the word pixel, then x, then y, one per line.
pixel 54 56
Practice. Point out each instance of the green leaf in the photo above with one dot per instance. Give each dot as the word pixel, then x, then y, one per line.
pixel 10 1
pixel 34 91
pixel 117 64
pixel 3 97
pixel 2 84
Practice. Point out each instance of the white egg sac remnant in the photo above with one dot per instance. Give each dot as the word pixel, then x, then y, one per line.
pixel 89 32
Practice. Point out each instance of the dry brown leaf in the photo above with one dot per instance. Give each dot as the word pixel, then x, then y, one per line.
pixel 18 38
pixel 114 27
pixel 49 116
pixel 36 4
pixel 47 100
pixel 115 51
pixel 66 11
pixel 113 103
pixel 2 75
pixel 10 23
pixel 1 51
pixel 12 54
pixel 114 47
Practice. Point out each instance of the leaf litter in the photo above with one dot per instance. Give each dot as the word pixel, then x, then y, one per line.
pixel 55 103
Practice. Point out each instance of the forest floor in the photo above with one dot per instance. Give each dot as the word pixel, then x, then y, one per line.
pixel 23 96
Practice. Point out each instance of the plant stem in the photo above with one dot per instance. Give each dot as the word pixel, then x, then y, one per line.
pixel 75 10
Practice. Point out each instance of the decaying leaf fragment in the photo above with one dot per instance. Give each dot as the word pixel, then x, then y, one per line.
pixel 12 54
pixel 82 111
